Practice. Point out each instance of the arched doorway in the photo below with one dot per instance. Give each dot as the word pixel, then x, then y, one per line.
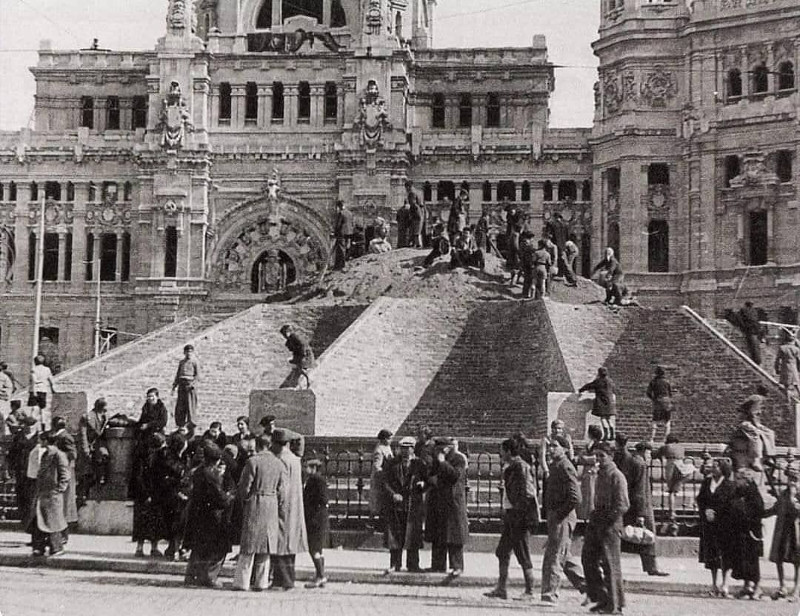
pixel 272 272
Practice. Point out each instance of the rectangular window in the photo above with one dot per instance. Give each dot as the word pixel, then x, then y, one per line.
pixel 732 169
pixel 438 111
pixel 251 103
pixel 331 102
pixel 783 165
pixel 68 257
pixel 493 111
pixel 50 265
pixel 758 238
pixel 108 257
pixel 658 173
pixel 139 112
pixel 614 180
pixel 304 102
pixel 87 112
pixel 225 103
pixel 112 113
pixel 31 256
pixel 52 190
pixel 465 111
pixel 277 102
pixel 89 256
pixel 125 274
pixel 170 252
pixel 487 191
pixel 658 246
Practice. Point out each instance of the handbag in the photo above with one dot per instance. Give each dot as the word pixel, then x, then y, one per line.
pixel 638 535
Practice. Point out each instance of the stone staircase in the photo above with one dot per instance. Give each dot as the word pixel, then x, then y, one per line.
pixel 377 371
pixel 496 379
pixel 236 355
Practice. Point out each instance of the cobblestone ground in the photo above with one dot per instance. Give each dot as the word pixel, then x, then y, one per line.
pixel 67 593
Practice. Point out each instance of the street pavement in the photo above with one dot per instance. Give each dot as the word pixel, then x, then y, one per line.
pixel 80 593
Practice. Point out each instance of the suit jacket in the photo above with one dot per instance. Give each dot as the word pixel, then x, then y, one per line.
pixel 207 519
pixel 343 224
pixel 315 504
pixel 292 538
pixel 611 500
pixel 154 416
pixel 515 477
pixel 52 482
pixel 635 470
pixel 92 432
pixel 447 501
pixel 262 491
pixel 563 492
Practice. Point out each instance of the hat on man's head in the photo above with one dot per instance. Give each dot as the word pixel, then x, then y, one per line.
pixel 280 436
pixel 383 434
pixel 756 400
pixel 442 441
pixel 408 441
pixel 605 446
pixel 644 446
pixel 211 452
pixel 314 463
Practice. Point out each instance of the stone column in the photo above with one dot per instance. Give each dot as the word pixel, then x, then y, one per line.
pixel 118 270
pixel 771 233
pixel 62 255
pixel 96 255
pixel 317 109
pixel 277 13
pixel 3 255
pixel 326 13
pixel 237 106
pixel 125 114
pixel 264 106
pixel 215 106
pixel 290 104
pixel 21 235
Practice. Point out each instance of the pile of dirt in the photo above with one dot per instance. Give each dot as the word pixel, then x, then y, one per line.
pixel 401 273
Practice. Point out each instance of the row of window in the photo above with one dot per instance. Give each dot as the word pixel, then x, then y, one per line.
pixel 330 111
pixel 507 190
pixel 58 191
pixel 783 166
pixel 465 104
pixel 112 249
pixel 138 117
pixel 759 79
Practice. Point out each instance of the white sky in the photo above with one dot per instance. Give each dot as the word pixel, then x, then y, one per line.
pixel 569 25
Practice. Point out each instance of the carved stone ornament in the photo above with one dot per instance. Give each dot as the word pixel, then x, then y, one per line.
pixel 175 119
pixel 176 14
pixel 374 16
pixel 108 215
pixel 629 87
pixel 273 187
pixel 612 202
pixel 612 93
pixel 7 214
pixel 658 199
pixel 372 119
pixel 658 87
pixel 754 173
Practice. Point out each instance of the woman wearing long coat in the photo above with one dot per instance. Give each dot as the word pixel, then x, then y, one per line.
pixel 52 482
pixel 786 537
pixel 605 405
pixel 315 508
pixel 713 502
pixel 744 520
pixel 447 527
pixel 381 455
pixel 23 442
pixel 171 481
pixel 207 521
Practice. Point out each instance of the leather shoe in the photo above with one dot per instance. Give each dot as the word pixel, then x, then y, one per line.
pixel 658 573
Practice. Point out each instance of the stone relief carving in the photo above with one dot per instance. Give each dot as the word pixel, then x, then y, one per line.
pixel 612 94
pixel 176 14
pixel 658 199
pixel 273 186
pixel 629 86
pixel 374 16
pixel 597 95
pixel 754 172
pixel 372 119
pixel 175 119
pixel 658 87
pixel 756 54
pixel 7 254
pixel 55 213
pixel 108 214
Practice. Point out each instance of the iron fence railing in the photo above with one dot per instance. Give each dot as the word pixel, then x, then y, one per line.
pixel 347 464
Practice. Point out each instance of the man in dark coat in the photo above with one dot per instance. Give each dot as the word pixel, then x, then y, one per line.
pixel 66 443
pixel 292 539
pixel 562 496
pixel 48 521
pixel 185 383
pixel 22 443
pixel 446 526
pixel 343 234
pixel 216 435
pixel 604 405
pixel 753 331
pixel 416 216
pixel 93 442
pixel 514 539
pixel 206 521
pixel 404 486
pixel 637 475
pixel 262 493
pixel 612 276
pixel 302 356
pixel 315 508
pixel 514 222
pixel 601 547
pixel 170 476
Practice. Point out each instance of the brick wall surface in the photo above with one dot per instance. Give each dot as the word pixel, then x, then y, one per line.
pixel 239 354
pixel 496 378
pixel 375 374
pixel 734 335
pixel 709 378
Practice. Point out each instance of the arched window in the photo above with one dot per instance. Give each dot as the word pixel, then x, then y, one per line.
pixel 786 76
pixel 34 187
pixel 70 191
pixel 438 111
pixel 112 113
pixel 272 272
pixel 760 79
pixel 398 25
pixel 304 102
pixel 657 173
pixel 92 191
pixel 87 112
pixel 526 191
pixel 445 189
pixel 492 110
pixel 506 190
pixel 264 19
pixel 12 191
pixel 225 102
pixel 125 274
pixel 658 246
pixel 547 191
pixel 52 190
pixel 338 16
pixel 586 190
pixel 170 252
pixel 309 8
pixel 127 191
pixel 783 165
pixel 734 82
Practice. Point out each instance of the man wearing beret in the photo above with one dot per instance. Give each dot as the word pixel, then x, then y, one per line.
pixel 446 526
pixel 601 547
pixel 292 539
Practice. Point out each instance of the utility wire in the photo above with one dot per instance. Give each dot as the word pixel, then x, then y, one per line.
pixel 50 19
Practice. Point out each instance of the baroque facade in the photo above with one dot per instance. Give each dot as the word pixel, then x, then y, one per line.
pixel 175 179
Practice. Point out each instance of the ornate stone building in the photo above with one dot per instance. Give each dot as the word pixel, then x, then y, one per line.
pixel 189 178
pixel 181 180
pixel 695 148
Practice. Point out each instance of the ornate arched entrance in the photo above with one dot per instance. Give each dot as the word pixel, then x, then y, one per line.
pixel 272 272
pixel 274 224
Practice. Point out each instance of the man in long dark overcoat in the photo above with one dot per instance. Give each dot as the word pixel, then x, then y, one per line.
pixel 49 522
pixel 447 527
pixel 261 490
pixel 404 506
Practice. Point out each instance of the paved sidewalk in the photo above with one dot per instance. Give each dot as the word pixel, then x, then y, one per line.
pixel 100 553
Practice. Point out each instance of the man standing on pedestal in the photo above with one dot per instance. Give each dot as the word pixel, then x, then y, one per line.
pixel 185 383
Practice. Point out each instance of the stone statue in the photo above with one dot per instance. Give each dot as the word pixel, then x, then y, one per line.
pixel 176 14
pixel 273 186
pixel 373 17
pixel 372 119
pixel 175 119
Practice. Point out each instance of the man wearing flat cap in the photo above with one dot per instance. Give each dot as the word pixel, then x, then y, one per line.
pixel 446 526
pixel 404 488
pixel 752 440
pixel 292 539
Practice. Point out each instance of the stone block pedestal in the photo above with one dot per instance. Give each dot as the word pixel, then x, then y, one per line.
pixel 106 518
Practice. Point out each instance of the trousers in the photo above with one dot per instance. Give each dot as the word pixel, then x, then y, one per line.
pixel 514 539
pixel 251 569
pixel 440 553
pixel 602 566
pixel 558 557
pixel 283 571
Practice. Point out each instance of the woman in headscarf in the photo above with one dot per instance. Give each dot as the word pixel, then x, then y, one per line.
pixel 744 521
pixel 713 502
pixel 171 491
